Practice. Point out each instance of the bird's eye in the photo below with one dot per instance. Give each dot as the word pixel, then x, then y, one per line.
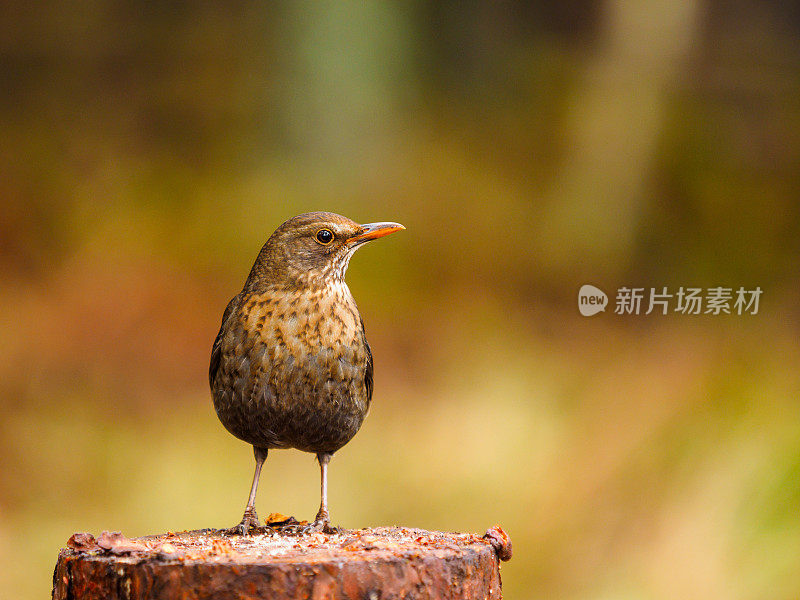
pixel 325 236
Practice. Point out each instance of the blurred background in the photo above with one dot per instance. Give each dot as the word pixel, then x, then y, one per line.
pixel 149 149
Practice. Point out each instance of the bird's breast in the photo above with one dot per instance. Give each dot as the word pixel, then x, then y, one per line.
pixel 307 345
pixel 293 369
pixel 306 320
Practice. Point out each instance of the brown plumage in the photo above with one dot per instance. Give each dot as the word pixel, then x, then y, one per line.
pixel 291 366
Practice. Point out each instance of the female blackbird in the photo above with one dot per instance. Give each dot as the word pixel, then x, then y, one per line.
pixel 291 366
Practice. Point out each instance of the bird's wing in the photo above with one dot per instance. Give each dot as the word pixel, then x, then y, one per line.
pixel 216 349
pixel 368 373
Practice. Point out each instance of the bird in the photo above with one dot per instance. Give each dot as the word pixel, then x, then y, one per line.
pixel 291 366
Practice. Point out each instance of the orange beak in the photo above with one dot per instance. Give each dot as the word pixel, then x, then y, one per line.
pixel 373 231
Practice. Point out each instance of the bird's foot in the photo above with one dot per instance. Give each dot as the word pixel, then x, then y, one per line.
pixel 324 527
pixel 321 524
pixel 249 522
pixel 317 527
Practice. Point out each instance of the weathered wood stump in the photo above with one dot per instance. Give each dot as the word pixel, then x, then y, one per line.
pixel 382 563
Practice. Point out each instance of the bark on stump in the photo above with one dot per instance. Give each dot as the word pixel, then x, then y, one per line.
pixel 383 563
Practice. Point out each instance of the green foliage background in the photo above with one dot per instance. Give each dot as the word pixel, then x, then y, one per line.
pixel 148 150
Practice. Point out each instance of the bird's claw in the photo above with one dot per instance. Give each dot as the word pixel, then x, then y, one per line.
pixel 319 526
pixel 249 521
pixel 236 530
pixel 332 529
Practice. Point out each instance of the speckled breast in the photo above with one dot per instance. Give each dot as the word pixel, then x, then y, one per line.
pixel 292 369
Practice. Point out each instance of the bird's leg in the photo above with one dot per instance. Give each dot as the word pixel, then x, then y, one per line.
pixel 322 521
pixel 250 517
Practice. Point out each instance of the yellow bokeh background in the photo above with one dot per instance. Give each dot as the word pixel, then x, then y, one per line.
pixel 149 149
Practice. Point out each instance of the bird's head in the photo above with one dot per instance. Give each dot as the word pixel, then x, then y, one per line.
pixel 313 248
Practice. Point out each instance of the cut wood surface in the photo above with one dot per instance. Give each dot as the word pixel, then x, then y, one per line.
pixel 381 563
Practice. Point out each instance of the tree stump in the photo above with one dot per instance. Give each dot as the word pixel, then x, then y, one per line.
pixel 382 563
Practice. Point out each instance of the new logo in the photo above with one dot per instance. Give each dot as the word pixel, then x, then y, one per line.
pixel 591 300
